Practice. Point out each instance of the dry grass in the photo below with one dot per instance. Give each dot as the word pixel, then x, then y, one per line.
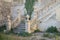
pixel 15 37
pixel 11 37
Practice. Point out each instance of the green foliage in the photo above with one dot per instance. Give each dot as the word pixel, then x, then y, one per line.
pixel 57 38
pixel 1 37
pixel 46 35
pixel 29 6
pixel 6 37
pixel 25 34
pixel 49 35
pixel 10 32
pixel 58 34
pixel 3 27
pixel 52 29
pixel 37 30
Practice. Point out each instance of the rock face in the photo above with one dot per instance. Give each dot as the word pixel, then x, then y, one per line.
pixel 42 9
pixel 4 11
pixel 10 13
pixel 47 11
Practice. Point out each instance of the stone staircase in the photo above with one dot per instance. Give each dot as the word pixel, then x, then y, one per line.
pixel 20 28
pixel 46 14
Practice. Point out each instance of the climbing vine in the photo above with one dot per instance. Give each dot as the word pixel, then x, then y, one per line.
pixel 29 7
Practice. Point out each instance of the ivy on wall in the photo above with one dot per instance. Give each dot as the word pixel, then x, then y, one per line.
pixel 29 7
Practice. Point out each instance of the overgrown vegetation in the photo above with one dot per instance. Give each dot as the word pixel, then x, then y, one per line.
pixel 52 35
pixel 52 29
pixel 37 30
pixel 45 35
pixel 25 34
pixel 29 6
pixel 58 34
pixel 1 37
pixel 8 37
pixel 10 32
pixel 12 37
pixel 2 28
pixel 49 35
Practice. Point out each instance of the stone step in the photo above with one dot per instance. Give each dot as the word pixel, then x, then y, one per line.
pixel 20 25
pixel 19 31
pixel 20 28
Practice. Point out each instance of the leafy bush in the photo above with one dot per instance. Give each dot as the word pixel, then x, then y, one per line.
pixel 52 29
pixel 25 34
pixel 37 30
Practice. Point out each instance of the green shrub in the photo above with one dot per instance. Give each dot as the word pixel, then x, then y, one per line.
pixel 25 34
pixel 37 30
pixel 3 27
pixel 52 29
pixel 10 32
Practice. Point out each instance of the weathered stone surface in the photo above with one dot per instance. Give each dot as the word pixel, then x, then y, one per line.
pixel 4 11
